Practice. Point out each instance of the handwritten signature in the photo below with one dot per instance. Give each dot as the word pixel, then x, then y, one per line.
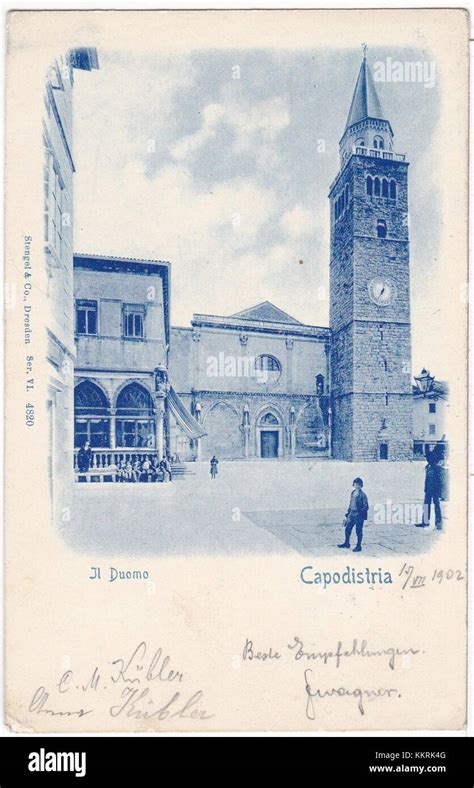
pixel 135 676
pixel 357 693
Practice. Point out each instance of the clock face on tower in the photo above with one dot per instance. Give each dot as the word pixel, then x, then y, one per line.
pixel 382 291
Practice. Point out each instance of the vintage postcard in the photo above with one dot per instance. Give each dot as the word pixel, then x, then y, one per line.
pixel 236 352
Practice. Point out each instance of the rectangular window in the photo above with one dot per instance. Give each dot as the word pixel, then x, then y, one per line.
pixel 86 317
pixel 432 429
pixel 135 433
pixel 94 430
pixel 384 451
pixel 432 407
pixel 418 448
pixel 133 321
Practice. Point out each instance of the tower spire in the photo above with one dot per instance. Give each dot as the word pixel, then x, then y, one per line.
pixel 365 101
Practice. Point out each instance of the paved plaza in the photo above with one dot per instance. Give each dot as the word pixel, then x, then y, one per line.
pixel 263 507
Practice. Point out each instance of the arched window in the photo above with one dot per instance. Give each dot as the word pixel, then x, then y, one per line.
pixel 381 228
pixel 393 189
pixel 384 187
pixel 91 416
pixel 377 187
pixel 268 418
pixel 360 143
pixel 134 425
pixel 378 143
pixel 267 369
pixel 346 191
pixel 369 185
pixel 268 363
pixel 336 210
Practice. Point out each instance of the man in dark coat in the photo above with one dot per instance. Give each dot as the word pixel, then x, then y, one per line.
pixel 84 457
pixel 433 485
pixel 214 464
pixel 356 515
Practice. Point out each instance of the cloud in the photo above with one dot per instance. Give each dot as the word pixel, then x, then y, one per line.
pixel 212 114
pixel 259 123
pixel 202 232
pixel 119 118
pixel 298 221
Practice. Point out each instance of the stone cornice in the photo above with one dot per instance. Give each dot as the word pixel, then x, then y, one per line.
pixel 259 326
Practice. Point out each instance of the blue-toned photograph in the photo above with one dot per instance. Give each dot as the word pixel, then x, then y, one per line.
pixel 249 327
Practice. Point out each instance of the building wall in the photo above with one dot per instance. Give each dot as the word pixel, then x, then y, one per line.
pixel 213 370
pixel 58 169
pixel 112 361
pixel 371 349
pixel 109 349
pixel 422 418
pixel 196 356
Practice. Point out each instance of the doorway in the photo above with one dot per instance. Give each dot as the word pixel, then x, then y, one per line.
pixel 269 444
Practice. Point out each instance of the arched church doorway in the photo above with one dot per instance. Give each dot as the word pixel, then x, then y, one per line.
pixel 269 436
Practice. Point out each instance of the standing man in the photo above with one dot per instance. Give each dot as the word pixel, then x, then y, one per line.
pixel 356 515
pixel 166 468
pixel 84 457
pixel 433 489
pixel 214 464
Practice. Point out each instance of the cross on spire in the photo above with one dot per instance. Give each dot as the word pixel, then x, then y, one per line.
pixel 365 101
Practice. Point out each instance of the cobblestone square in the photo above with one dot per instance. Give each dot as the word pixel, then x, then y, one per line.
pixel 261 507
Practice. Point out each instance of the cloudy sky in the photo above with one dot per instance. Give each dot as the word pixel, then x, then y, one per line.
pixel 221 162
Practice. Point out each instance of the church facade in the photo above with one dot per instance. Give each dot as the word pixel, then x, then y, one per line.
pixel 256 381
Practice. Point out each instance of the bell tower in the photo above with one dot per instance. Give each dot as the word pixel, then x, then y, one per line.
pixel 370 288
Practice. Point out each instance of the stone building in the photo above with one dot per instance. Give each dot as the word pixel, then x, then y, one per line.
pixel 256 381
pixel 123 401
pixel 58 172
pixel 430 404
pixel 370 288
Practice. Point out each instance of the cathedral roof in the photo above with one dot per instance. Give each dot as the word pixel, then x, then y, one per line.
pixel 365 101
pixel 267 311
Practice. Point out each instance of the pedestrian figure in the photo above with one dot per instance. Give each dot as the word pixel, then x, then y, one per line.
pixel 155 468
pixel 166 468
pixel 145 469
pixel 356 515
pixel 84 457
pixel 136 470
pixel 433 485
pixel 214 464
pixel 120 476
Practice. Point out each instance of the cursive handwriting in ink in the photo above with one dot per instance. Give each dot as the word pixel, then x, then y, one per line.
pixel 41 697
pixel 358 649
pixel 340 692
pixel 136 704
pixel 132 671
